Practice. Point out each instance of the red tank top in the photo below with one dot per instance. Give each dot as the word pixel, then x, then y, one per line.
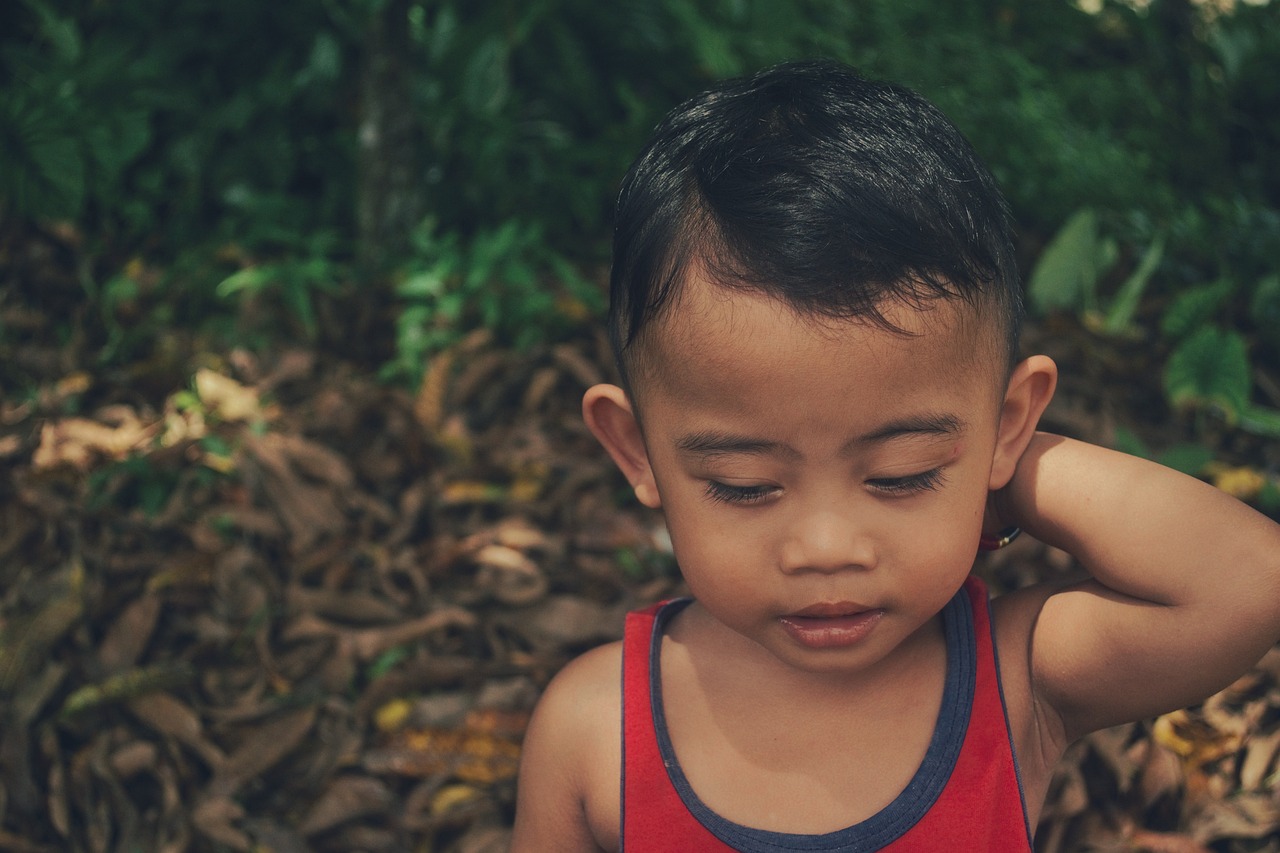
pixel 965 797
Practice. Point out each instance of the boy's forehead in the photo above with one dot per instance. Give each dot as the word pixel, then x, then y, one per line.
pixel 712 329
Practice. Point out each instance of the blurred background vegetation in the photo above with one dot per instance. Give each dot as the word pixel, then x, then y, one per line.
pixel 378 177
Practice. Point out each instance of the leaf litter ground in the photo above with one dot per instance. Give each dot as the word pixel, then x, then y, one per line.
pixel 279 606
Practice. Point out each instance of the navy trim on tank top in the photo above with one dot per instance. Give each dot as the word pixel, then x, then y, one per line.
pixel 895 819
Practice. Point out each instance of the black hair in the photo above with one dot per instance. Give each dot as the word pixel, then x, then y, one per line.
pixel 823 189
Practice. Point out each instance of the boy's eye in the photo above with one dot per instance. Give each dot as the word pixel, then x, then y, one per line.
pixel 724 493
pixel 914 484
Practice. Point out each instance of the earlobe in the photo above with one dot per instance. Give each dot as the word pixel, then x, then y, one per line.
pixel 612 420
pixel 1029 391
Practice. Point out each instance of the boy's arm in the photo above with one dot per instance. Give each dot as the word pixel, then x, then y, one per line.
pixel 1185 588
pixel 572 748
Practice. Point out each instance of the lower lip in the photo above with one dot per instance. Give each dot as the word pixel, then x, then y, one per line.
pixel 831 632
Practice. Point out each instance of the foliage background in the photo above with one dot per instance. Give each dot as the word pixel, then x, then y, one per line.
pixel 403 188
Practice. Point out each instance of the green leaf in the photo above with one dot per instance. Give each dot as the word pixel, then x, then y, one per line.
pixel 1260 420
pixel 1195 307
pixel 487 83
pixel 251 279
pixel 1125 305
pixel 1128 441
pixel 1066 275
pixel 1269 498
pixel 1187 458
pixel 1264 308
pixel 1210 369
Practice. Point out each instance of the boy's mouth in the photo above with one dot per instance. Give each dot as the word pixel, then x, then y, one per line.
pixel 831 625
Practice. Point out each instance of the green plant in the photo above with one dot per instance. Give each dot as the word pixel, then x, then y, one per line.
pixel 506 280
pixel 1067 276
pixel 294 282
pixel 1209 369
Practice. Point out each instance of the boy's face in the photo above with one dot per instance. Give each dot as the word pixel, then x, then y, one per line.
pixel 824 482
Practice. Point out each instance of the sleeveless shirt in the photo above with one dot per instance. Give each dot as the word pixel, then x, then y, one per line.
pixel 965 796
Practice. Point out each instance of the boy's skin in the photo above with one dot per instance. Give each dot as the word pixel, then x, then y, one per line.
pixel 774 733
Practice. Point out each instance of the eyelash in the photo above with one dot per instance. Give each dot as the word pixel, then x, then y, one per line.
pixel 925 481
pixel 722 493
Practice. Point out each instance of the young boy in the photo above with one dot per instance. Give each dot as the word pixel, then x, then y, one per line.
pixel 815 311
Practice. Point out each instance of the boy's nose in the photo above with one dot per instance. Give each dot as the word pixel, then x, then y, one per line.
pixel 827 542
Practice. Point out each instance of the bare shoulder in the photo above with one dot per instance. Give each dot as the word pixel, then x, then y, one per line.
pixel 571 762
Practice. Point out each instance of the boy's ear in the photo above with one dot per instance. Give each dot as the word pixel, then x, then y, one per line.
pixel 1029 392
pixel 612 420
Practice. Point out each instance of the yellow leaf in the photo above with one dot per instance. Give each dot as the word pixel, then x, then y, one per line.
pixel 1193 738
pixel 392 716
pixel 1243 483
pixel 450 797
pixel 472 492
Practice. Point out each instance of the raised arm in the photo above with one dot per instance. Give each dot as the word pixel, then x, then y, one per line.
pixel 1185 588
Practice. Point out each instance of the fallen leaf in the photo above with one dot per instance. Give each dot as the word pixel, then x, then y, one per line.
pixel 128 635
pixel 347 798
pixel 468 756
pixel 264 746
pixel 24 641
pixel 215 817
pixel 169 716
pixel 227 398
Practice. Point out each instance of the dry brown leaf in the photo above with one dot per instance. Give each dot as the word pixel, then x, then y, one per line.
pixel 215 817
pixel 1242 816
pixel 561 621
pixel 519 533
pixel 485 839
pixel 510 576
pixel 128 635
pixel 167 715
pixel 354 606
pixel 315 460
pixel 347 798
pixel 582 369
pixel 544 379
pixel 428 405
pixel 132 758
pixel 500 723
pixel 1165 842
pixel 10 843
pixel 265 745
pixel 1068 793
pixel 227 398
pixel 25 640
pixel 371 642
pixel 1260 755
pixel 58 801
pixel 80 442
pixel 1112 745
pixel 308 511
pixel 1160 774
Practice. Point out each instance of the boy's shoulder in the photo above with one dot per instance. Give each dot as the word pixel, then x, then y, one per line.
pixel 589 684
pixel 572 756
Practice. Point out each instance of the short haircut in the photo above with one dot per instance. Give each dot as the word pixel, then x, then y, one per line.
pixel 830 192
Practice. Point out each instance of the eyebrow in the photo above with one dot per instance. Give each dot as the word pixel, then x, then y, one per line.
pixel 710 443
pixel 925 424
